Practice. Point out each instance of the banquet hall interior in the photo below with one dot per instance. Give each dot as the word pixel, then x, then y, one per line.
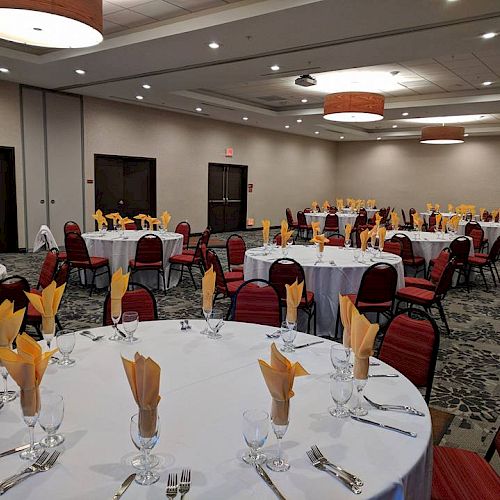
pixel 268 229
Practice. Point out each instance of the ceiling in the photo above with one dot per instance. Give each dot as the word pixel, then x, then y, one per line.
pixel 426 56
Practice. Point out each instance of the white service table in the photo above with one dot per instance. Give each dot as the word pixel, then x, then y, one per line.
pixel 205 387
pixel 119 249
pixel 491 230
pixel 324 279
pixel 344 218
pixel 3 271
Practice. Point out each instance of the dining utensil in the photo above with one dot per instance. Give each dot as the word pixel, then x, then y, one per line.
pixel 123 488
pixel 384 375
pixel 318 455
pixel 307 345
pixel 263 474
pixel 41 459
pixel 185 483
pixel 188 326
pixel 15 450
pixel 183 327
pixel 372 363
pixel 91 336
pixel 346 482
pixel 172 486
pixel 384 426
pixel 402 408
pixel 274 335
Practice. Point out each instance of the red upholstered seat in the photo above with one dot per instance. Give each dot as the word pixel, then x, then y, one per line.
pixel 232 287
pixel 94 262
pixel 416 295
pixel 308 299
pixel 416 258
pixel 188 251
pixel 463 475
pixel 237 269
pixel 382 306
pixel 183 259
pixel 419 283
pixel 148 265
pixel 233 276
pixel 62 256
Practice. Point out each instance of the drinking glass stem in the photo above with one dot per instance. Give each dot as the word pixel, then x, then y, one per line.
pixel 279 449
pixel 32 436
pixel 146 462
pixel 4 375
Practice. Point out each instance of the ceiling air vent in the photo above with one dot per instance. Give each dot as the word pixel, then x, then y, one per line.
pixel 271 98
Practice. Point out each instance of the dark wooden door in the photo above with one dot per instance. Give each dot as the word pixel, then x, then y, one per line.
pixel 8 202
pixel 227 197
pixel 125 184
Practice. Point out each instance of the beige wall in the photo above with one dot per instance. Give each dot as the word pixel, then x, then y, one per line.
pixel 286 170
pixel 406 173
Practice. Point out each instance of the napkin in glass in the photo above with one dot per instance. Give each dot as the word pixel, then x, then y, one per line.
pixel 293 298
pixel 99 217
pixel 450 207
pixel 381 237
pixel 320 239
pixel 348 229
pixel 394 220
pixel 363 335
pixel 340 203
pixel 364 235
pixel 10 322
pixel 326 205
pixel 208 289
pixel 165 219
pixel 315 227
pixel 266 227
pixel 119 285
pixel 47 304
pixel 346 307
pixel 285 233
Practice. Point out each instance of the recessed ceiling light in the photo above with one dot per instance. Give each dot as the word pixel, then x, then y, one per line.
pixel 146 86
pixel 489 35
pixel 139 97
pixel 394 126
pixel 379 138
pixel 317 132
pixel 299 120
pixel 80 71
pixel 466 135
pixel 341 137
pixel 4 70
pixel 486 84
pixel 213 45
pixel 303 100
pixel 245 118
pixel 287 126
pixel 198 109
pixel 405 113
pixel 275 67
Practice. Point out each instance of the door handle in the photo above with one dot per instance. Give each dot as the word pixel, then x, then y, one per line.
pixel 120 202
pixel 42 201
pixel 52 201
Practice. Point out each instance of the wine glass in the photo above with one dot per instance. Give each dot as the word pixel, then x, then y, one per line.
pixel 215 322
pixel 356 255
pixel 115 318
pixel 347 243
pixel 130 321
pixel 50 418
pixel 48 332
pixel 104 228
pixel 279 462
pixel 255 432
pixel 284 250
pixel 319 253
pixel 359 410
pixel 341 392
pixel 6 396
pixel 339 356
pixel 206 313
pixel 288 334
pixel 145 444
pixel 66 344
pixel 30 417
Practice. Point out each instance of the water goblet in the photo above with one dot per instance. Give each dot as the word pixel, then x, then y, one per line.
pixel 50 418
pixel 48 332
pixel 215 322
pixel 319 254
pixel 279 462
pixel 104 228
pixel 347 243
pixel 66 344
pixel 255 432
pixel 359 410
pixel 356 255
pixel 30 417
pixel 6 396
pixel 341 387
pixel 339 356
pixel 145 444
pixel 130 321
pixel 284 250
pixel 115 318
pixel 206 314
pixel 288 334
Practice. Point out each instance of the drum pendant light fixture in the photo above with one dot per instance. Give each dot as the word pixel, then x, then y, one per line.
pixel 447 134
pixel 354 107
pixel 52 23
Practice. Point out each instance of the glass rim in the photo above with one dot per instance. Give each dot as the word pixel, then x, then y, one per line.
pixel 264 414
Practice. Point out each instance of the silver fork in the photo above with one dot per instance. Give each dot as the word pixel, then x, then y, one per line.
pixel 349 484
pixel 172 486
pixel 318 455
pixel 185 483
pixel 41 459
pixel 39 468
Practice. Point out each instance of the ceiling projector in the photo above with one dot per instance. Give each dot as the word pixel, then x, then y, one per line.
pixel 306 81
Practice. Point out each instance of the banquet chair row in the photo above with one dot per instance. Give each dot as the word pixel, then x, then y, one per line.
pixel 479 261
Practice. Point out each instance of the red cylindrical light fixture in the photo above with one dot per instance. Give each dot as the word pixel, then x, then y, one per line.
pixel 447 134
pixel 354 107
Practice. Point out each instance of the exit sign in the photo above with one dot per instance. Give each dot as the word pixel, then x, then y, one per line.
pixel 229 152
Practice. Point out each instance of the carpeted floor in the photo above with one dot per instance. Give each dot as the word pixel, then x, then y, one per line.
pixel 466 384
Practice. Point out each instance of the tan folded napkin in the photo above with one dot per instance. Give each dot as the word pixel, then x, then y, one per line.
pixel 450 207
pixel 99 217
pixel 124 220
pixel 320 239
pixel 27 367
pixel 438 220
pixel 348 229
pixel 285 233
pixel 394 220
pixel 143 375
pixel 429 207
pixel 266 227
pixel 119 285
pixel 494 214
pixel 437 207
pixel 340 203
pixel 47 304
pixel 279 377
pixel 381 237
pixel 364 235
pixel 454 221
pixel 378 219
pixel 444 223
pixel 326 205
pixel 363 335
pixel 346 307
pixel 314 205
pixel 10 322
pixel 315 227
pixel 208 289
pixel 113 216
pixel 293 298
pixel 165 219
pixel 373 235
pixel 152 221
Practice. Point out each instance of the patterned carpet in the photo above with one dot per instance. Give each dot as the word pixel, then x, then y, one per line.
pixel 467 377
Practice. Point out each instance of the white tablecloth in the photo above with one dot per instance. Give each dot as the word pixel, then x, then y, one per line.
pixel 3 271
pixel 491 230
pixel 428 245
pixel 344 218
pixel 120 249
pixel 205 387
pixel 425 215
pixel 325 280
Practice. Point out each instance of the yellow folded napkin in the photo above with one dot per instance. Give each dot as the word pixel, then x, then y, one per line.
pixel 124 220
pixel 363 335
pixel 47 305
pixel 450 207
pixel 326 205
pixel 143 376
pixel 208 289
pixel 473 209
pixel 119 285
pixel 429 207
pixel 152 221
pixel 113 216
pixel 436 207
pixel 140 217
pixel 320 239
pixel 27 367
pixel 99 217
pixel 364 235
pixel 10 322
pixel 494 214
pixel 394 220
pixel 293 298
pixel 346 307
pixel 285 233
pixel 444 223
pixel 279 377
pixel 340 203
pixel 438 220
pixel 378 219
pixel 266 227
pixel 373 235
pixel 315 227
pixel 165 219
pixel 348 229
pixel 381 237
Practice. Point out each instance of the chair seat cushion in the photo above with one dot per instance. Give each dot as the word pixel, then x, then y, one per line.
pixel 182 259
pixel 95 262
pixel 420 283
pixel 369 306
pixel 307 300
pixel 477 260
pixel 62 256
pixel 233 276
pixel 188 251
pixel 32 315
pixel 419 261
pixel 237 269
pixel 416 295
pixel 232 286
pixel 144 265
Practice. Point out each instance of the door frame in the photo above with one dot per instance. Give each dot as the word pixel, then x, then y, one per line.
pixel 11 152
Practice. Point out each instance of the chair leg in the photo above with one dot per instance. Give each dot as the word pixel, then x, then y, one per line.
pixel 484 278
pixel 337 323
pixel 492 274
pixel 92 283
pixel 164 284
pixel 443 316
pixel 315 320
pixel 192 277
pixel 169 272
pixel 158 280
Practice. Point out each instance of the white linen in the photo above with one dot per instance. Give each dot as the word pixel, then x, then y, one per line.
pixel 120 249
pixel 205 387
pixel 444 214
pixel 44 237
pixel 344 218
pixel 325 280
pixel 371 212
pixel 491 230
pixel 3 271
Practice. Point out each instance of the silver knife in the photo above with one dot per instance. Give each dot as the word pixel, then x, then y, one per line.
pixel 307 345
pixel 384 375
pixel 384 426
pixel 15 450
pixel 124 486
pixel 263 474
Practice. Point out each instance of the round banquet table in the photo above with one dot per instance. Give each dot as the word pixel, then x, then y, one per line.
pixel 344 218
pixel 425 215
pixel 324 279
pixel 428 245
pixel 205 386
pixel 119 249
pixel 3 271
pixel 491 230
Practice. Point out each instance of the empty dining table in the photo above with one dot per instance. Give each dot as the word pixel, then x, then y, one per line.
pixel 339 272
pixel 205 386
pixel 344 218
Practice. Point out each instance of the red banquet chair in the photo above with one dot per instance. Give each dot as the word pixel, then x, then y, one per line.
pixel 285 272
pixel 12 288
pixel 409 258
pixel 476 232
pixel 410 345
pixel 335 240
pixel 393 247
pixel 130 226
pixel 292 224
pixel 72 227
pixel 235 250
pixel 149 257
pixel 331 224
pixel 185 229
pixel 140 299
pixel 460 249
pixel 257 301
pixel 439 264
pixel 303 227
pixel 479 261
pixel 48 270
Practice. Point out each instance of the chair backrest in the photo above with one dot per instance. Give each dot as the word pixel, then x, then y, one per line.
pixel 220 280
pixel 203 256
pixel 432 221
pixel 494 254
pixel 62 274
pixel 410 214
pixel 289 217
pixel 48 270
pixel 332 222
pixel 460 249
pixel 72 227
pixel 477 235
pixel 470 226
pixel 362 211
pixel 235 249
pixel 446 279
pixel 378 284
pixel 360 220
pixel 336 240
pixel 76 249
pixel 393 247
pixel 149 249
pixel 13 288
pixel 405 222
pixel 140 299
pixel 131 226
pixel 301 219
pixel 357 233
pixel 410 345
pixel 284 272
pixel 406 245
pixel 185 229
pixel 257 301
pixel 439 265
